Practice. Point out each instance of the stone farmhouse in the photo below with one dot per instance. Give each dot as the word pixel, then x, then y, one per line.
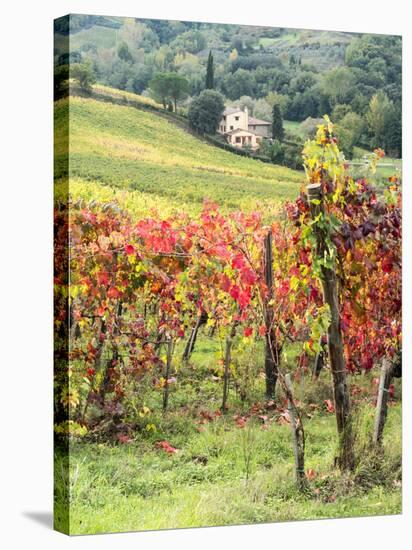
pixel 240 129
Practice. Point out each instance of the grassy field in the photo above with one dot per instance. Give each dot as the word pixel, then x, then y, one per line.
pixel 293 127
pixel 95 36
pixel 137 152
pixel 305 37
pixel 388 166
pixel 137 486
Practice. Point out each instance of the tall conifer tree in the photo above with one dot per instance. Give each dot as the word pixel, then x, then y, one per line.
pixel 277 123
pixel 210 73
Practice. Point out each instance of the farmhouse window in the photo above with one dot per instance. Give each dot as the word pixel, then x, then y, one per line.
pixel 238 139
pixel 231 127
pixel 236 118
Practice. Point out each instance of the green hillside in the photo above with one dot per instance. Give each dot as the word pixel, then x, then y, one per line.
pixel 146 161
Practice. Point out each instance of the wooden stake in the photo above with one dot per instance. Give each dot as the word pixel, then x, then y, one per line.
pixel 201 320
pixel 228 359
pixel 297 437
pixel 319 360
pixel 271 349
pixel 382 402
pixel 169 354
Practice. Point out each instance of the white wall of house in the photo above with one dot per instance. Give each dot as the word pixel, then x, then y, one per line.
pixel 239 119
pixel 242 138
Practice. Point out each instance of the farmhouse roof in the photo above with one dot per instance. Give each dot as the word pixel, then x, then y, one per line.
pixel 237 130
pixel 231 110
pixel 258 122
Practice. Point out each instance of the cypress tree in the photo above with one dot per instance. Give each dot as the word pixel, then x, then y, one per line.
pixel 210 72
pixel 277 123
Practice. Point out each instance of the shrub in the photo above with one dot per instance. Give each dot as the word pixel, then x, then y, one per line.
pixel 309 126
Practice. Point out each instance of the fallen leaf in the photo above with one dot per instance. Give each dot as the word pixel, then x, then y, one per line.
pixel 165 445
pixel 311 474
pixel 329 405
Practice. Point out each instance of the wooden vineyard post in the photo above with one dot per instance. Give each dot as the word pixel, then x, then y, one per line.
pixel 226 372
pixel 271 349
pixel 319 360
pixel 228 359
pixel 297 437
pixel 382 402
pixel 97 363
pixel 346 457
pixel 201 320
pixel 169 354
pixel 115 354
pixel 191 342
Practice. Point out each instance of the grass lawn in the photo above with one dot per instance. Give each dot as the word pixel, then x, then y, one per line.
pixel 387 167
pixel 293 127
pixel 137 486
